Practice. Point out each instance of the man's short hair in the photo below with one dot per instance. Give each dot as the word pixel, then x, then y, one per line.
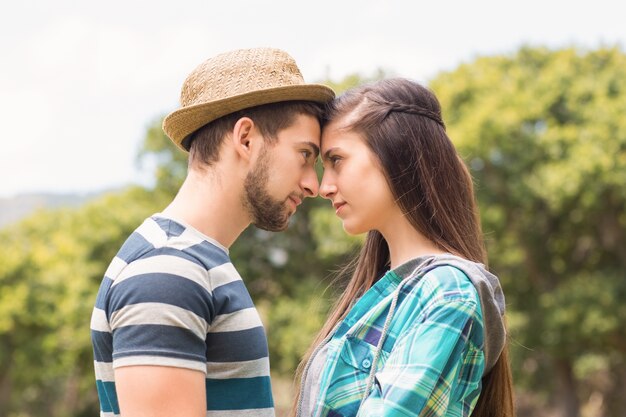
pixel 270 119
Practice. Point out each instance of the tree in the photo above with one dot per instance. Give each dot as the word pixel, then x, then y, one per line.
pixel 545 136
pixel 51 265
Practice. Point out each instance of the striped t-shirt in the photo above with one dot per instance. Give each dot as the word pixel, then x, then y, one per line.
pixel 172 297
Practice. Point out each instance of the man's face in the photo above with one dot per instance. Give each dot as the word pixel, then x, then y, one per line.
pixel 283 175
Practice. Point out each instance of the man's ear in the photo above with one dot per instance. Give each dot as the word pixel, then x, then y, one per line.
pixel 245 137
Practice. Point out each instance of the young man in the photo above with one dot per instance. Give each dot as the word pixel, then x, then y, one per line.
pixel 174 330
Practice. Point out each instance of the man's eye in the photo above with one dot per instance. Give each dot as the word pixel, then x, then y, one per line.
pixel 306 154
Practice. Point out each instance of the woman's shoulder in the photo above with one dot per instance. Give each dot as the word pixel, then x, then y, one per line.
pixel 447 282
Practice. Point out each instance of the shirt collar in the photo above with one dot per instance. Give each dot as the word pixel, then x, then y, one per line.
pixel 407 268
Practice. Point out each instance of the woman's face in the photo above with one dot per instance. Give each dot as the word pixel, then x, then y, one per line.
pixel 353 181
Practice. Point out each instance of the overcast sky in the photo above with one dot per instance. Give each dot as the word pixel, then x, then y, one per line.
pixel 81 80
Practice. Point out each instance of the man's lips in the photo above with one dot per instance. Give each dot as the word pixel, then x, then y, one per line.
pixel 296 200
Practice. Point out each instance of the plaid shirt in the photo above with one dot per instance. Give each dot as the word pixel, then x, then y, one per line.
pixel 431 361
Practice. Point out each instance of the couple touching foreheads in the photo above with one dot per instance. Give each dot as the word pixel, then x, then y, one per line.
pixel 419 329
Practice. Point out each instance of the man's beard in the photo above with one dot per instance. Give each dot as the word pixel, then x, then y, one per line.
pixel 267 213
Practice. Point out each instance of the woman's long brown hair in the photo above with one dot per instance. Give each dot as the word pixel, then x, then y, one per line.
pixel 401 123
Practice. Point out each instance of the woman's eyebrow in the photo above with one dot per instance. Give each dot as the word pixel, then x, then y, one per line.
pixel 327 153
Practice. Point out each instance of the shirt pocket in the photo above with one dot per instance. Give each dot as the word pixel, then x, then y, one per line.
pixel 349 378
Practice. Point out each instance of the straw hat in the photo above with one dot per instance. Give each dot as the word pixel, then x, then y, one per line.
pixel 237 80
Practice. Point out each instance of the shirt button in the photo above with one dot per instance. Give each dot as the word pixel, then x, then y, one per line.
pixel 366 363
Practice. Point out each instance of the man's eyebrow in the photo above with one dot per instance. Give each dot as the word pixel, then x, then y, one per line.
pixel 316 149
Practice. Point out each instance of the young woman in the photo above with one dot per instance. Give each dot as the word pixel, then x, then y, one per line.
pixel 419 329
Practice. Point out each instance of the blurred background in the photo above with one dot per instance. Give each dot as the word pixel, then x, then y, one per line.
pixel 533 96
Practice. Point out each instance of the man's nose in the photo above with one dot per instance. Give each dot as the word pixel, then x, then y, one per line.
pixel 310 184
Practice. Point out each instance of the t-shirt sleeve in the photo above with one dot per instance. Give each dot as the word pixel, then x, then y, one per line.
pixel 159 313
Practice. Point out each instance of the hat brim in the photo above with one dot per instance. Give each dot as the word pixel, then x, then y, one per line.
pixel 181 123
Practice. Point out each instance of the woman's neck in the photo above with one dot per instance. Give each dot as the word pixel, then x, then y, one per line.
pixel 405 242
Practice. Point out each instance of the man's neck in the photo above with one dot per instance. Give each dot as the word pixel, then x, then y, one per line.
pixel 211 203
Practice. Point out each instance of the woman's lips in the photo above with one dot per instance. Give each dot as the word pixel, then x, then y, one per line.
pixel 338 206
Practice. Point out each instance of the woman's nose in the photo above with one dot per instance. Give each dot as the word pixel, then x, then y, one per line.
pixel 328 189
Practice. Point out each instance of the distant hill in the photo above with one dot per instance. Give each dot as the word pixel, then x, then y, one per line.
pixel 15 208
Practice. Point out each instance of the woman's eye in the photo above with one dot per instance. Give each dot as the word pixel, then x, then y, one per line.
pixel 334 160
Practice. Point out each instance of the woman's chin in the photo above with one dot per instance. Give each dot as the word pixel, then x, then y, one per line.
pixel 354 229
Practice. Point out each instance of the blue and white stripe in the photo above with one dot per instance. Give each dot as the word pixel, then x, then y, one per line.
pixel 171 297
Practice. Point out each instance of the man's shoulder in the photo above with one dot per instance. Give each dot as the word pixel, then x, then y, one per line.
pixel 160 236
pixel 161 251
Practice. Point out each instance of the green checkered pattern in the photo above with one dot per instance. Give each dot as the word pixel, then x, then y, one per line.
pixel 432 359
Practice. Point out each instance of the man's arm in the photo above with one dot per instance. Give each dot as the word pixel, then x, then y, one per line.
pixel 160 391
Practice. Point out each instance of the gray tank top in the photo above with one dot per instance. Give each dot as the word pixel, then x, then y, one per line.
pixel 311 384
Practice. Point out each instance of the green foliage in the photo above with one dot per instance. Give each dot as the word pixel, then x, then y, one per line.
pixel 354 80
pixel 329 234
pixel 545 137
pixel 159 153
pixel 293 322
pixel 51 266
pixel 544 134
